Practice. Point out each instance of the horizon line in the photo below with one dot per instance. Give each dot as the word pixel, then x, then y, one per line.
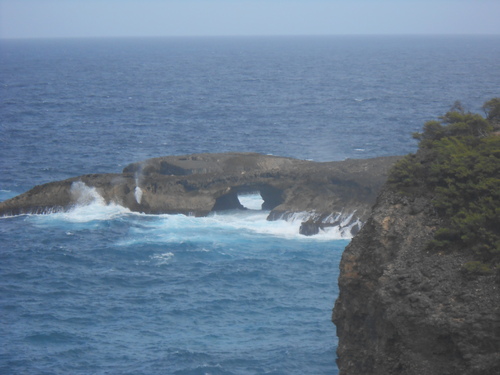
pixel 200 36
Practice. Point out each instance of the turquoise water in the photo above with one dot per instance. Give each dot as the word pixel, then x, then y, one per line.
pixel 100 289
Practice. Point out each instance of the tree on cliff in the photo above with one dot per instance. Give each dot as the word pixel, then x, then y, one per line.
pixel 458 165
pixel 492 110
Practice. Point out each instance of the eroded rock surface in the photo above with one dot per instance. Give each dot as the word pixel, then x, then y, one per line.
pixel 405 310
pixel 201 183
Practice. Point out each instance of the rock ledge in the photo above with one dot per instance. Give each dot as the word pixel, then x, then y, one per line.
pixel 202 183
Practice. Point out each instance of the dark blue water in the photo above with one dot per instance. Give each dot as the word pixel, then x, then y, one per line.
pixel 105 291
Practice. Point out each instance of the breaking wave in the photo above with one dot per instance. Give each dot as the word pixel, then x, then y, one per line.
pixel 89 206
pixel 218 226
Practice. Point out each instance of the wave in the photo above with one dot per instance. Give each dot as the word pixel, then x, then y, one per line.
pixel 226 229
pixel 91 212
pixel 223 226
pixel 365 99
pixel 339 225
pixel 89 206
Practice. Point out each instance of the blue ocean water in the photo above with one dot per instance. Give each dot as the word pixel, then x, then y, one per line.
pixel 101 290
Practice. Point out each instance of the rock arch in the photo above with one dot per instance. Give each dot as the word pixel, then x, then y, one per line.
pixel 201 183
pixel 272 197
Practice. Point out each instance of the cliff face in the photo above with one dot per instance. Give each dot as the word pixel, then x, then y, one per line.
pixel 405 310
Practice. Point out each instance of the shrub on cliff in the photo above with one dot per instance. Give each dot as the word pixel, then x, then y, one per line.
pixel 492 110
pixel 458 166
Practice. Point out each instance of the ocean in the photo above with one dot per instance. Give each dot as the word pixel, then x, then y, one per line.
pixel 102 290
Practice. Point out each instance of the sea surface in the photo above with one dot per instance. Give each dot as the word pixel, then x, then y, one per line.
pixel 102 290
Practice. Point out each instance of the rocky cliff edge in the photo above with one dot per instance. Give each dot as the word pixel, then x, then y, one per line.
pixel 405 310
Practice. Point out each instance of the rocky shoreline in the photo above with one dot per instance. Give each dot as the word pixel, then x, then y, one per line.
pixel 330 192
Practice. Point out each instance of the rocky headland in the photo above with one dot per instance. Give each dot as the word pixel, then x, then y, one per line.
pixel 419 286
pixel 404 309
pixel 328 193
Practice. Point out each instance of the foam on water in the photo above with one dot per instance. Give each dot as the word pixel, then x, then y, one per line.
pixel 88 213
pixel 230 227
pixel 255 222
pixel 218 226
pixel 90 206
pixel 85 195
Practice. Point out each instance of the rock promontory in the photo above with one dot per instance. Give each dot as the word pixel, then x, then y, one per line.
pixel 405 310
pixel 419 286
pixel 330 193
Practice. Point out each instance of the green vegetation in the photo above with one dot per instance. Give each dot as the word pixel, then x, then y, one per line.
pixel 458 166
pixel 477 267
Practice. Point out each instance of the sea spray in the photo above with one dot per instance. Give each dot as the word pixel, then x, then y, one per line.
pixel 88 206
pixel 138 194
pixel 138 190
pixel 84 195
pixel 339 225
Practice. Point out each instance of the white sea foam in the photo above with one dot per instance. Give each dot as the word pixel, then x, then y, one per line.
pixel 85 195
pixel 161 259
pixel 218 227
pixel 89 206
pixel 256 222
pixel 91 212
pixel 342 224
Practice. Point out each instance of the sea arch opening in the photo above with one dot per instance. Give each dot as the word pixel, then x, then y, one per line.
pixel 247 197
pixel 251 200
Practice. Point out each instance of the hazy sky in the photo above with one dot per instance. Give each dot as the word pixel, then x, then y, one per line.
pixel 109 18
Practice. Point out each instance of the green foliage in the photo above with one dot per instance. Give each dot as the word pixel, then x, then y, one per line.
pixel 458 164
pixel 453 124
pixel 476 267
pixel 492 110
pixel 407 173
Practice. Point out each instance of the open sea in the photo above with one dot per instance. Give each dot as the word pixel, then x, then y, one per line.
pixel 102 290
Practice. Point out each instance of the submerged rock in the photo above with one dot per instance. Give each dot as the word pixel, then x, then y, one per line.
pixel 309 228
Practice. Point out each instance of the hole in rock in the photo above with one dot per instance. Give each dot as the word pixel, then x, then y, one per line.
pixel 251 200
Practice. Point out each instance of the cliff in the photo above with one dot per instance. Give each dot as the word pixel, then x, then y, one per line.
pixel 330 193
pixel 403 309
pixel 419 286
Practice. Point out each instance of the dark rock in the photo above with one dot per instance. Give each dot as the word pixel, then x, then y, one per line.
pixel 309 228
pixel 202 183
pixel 228 201
pixel 405 310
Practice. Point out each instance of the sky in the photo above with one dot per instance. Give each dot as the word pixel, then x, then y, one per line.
pixel 140 18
